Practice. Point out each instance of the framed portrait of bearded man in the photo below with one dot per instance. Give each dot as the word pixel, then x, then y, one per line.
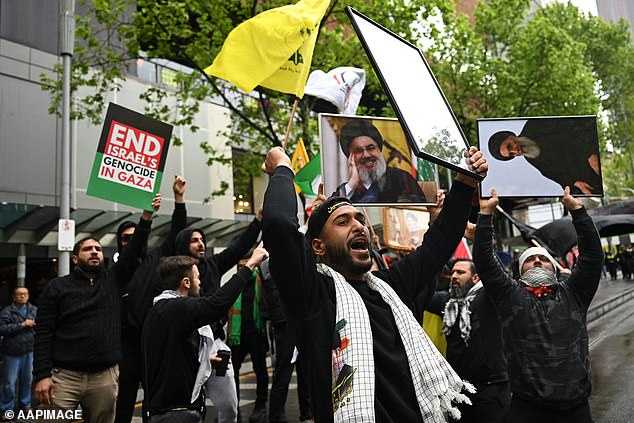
pixel 368 160
pixel 540 156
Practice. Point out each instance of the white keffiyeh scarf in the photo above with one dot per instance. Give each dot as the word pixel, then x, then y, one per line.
pixel 459 308
pixel 205 347
pixel 436 385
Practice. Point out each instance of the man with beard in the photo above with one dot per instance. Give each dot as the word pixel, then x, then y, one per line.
pixel 369 179
pixel 474 343
pixel 193 243
pixel 136 301
pixel 369 358
pixel 78 328
pixel 558 155
pixel 177 339
pixel 544 321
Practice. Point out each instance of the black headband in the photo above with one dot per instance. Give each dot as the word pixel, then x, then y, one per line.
pixel 320 215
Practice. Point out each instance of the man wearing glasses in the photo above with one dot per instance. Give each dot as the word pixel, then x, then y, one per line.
pixel 370 180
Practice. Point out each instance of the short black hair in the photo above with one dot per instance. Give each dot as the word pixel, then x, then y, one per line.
pixel 472 267
pixel 79 243
pixel 173 269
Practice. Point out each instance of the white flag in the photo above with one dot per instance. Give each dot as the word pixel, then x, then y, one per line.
pixel 341 87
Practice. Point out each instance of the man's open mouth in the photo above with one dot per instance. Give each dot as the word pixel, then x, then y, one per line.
pixel 360 243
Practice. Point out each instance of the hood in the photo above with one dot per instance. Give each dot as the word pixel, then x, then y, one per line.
pixel 122 227
pixel 182 240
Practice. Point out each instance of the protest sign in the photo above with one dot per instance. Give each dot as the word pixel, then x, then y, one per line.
pixel 128 166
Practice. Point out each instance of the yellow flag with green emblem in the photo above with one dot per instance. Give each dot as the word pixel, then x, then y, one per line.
pixel 273 49
pixel 299 160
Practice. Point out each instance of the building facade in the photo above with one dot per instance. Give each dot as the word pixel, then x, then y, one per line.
pixel 30 156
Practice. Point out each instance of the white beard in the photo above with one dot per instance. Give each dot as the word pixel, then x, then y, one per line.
pixel 368 177
pixel 529 147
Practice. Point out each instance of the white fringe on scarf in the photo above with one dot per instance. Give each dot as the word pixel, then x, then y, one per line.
pixel 436 384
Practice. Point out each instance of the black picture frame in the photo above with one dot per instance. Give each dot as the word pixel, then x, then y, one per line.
pixel 453 130
pixel 565 144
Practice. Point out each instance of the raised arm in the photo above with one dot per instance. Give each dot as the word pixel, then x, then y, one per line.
pixel 215 306
pixel 587 272
pixel 179 216
pixel 291 265
pixel 239 247
pixel 495 280
pixel 416 272
pixel 130 258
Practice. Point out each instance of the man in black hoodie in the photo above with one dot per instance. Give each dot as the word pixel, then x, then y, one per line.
pixel 136 301
pixel 78 328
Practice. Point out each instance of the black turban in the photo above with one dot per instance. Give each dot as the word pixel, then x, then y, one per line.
pixel 358 128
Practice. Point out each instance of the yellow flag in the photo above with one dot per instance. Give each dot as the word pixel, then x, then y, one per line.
pixel 299 160
pixel 273 49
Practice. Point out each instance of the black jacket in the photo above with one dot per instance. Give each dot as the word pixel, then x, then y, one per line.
pixel 481 359
pixel 145 283
pixel 17 339
pixel 546 338
pixel 213 266
pixel 309 297
pixel 78 326
pixel 170 344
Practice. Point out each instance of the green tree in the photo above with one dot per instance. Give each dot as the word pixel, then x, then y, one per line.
pixel 111 34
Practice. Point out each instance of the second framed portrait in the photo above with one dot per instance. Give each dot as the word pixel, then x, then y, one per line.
pixel 368 160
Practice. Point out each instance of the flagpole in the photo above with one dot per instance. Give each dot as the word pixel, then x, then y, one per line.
pixel 290 124
pixel 378 242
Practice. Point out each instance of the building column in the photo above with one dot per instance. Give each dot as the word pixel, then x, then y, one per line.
pixel 21 272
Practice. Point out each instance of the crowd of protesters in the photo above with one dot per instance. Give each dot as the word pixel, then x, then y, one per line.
pixel 516 349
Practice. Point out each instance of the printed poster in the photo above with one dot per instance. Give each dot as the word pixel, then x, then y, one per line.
pixel 131 154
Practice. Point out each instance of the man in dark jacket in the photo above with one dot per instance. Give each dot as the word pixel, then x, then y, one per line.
pixel 474 343
pixel 175 345
pixel 17 327
pixel 78 331
pixel 544 320
pixel 369 358
pixel 136 301
pixel 192 242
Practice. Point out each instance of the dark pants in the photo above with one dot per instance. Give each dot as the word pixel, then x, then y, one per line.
pixel 527 412
pixel 130 368
pixel 256 345
pixel 490 404
pixel 284 347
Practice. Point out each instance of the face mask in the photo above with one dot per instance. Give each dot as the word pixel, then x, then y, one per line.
pixel 538 276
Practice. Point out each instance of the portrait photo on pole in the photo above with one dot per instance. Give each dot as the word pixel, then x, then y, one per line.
pixel 540 156
pixel 404 228
pixel 369 161
pixel 130 159
pixel 429 123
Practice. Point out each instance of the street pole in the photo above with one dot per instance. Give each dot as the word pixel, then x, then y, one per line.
pixel 67 41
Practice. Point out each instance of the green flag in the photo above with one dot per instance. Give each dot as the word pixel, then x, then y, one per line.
pixel 309 177
pixel 425 170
